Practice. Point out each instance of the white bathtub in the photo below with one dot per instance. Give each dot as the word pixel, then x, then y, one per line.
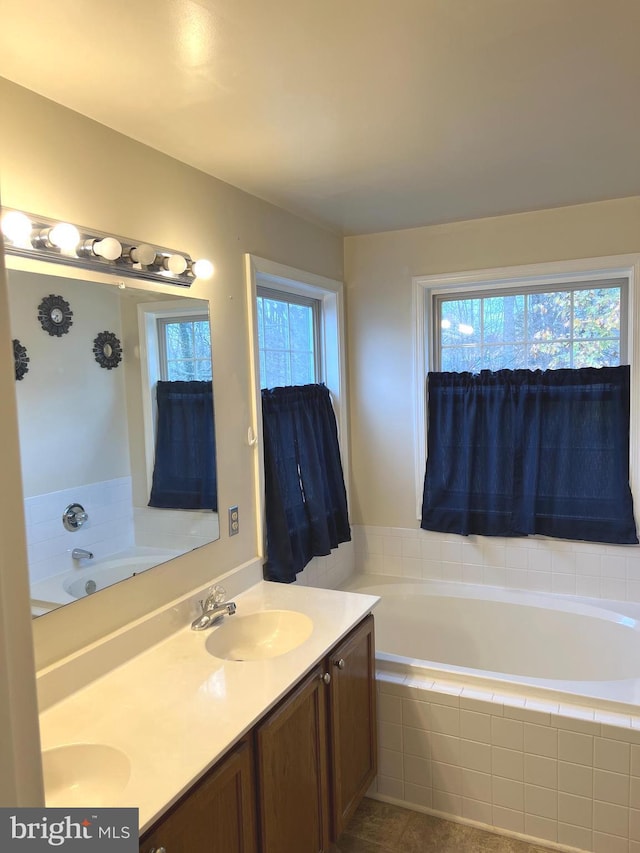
pixel 96 574
pixel 584 650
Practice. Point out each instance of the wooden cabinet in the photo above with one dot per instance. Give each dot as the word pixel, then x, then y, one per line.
pixel 316 753
pixel 291 752
pixel 294 781
pixel 218 815
pixel 353 736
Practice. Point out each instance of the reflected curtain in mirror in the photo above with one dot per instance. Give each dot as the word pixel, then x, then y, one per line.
pixel 524 452
pixel 184 473
pixel 305 496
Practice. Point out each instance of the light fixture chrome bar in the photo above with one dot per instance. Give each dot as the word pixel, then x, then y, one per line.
pixel 34 236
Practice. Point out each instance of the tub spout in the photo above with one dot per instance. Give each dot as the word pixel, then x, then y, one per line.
pixel 81 554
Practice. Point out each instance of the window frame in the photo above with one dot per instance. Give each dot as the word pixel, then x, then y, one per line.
pixel 150 368
pixel 261 272
pixel 262 290
pixel 542 276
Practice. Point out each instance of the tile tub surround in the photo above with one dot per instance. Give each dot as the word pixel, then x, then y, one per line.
pixel 543 565
pixel 555 774
pixel 110 527
pixel 332 571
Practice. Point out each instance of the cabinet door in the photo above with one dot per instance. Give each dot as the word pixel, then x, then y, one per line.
pixel 217 816
pixel 352 721
pixel 292 772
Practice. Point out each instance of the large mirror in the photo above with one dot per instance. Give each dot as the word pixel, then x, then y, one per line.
pixel 116 421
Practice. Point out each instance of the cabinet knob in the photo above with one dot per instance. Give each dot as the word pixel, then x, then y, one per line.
pixel 326 677
pixel 157 850
pixel 339 663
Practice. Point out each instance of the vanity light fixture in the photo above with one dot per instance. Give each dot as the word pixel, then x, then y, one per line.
pixel 63 236
pixel 108 248
pixel 175 264
pixel 143 254
pixel 202 268
pixel 35 236
pixel 17 228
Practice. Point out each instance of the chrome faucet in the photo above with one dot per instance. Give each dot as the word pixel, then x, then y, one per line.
pixel 213 608
pixel 81 554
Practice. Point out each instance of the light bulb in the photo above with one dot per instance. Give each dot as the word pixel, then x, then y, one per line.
pixel 143 254
pixel 64 236
pixel 16 227
pixel 108 248
pixel 176 264
pixel 202 268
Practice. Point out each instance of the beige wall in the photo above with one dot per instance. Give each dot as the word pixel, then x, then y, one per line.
pixel 21 776
pixel 60 164
pixel 378 273
pixel 72 414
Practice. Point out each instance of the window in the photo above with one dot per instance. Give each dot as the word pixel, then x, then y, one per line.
pixel 542 447
pixel 577 326
pixel 562 314
pixel 175 345
pixel 184 345
pixel 322 298
pixel 287 338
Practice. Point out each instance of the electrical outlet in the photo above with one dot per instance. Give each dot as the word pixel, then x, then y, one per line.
pixel 234 521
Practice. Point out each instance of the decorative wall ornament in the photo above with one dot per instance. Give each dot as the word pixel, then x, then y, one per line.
pixel 21 359
pixel 107 350
pixel 55 315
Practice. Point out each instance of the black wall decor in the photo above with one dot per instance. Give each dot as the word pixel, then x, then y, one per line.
pixel 107 350
pixel 21 359
pixel 55 315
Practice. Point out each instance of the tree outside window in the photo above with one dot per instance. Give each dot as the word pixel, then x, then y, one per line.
pixel 538 330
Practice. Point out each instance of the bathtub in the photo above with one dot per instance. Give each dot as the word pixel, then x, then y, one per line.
pixel 573 648
pixel 96 574
pixel 509 709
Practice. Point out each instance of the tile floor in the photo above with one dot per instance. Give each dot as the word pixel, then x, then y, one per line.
pixel 383 828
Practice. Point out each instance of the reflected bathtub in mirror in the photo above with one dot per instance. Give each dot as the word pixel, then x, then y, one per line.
pixel 88 435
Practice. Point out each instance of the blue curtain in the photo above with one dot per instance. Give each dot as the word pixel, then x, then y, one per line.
pixel 305 497
pixel 520 452
pixel 184 473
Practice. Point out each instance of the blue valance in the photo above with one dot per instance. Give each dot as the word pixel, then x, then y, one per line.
pixel 184 473
pixel 521 452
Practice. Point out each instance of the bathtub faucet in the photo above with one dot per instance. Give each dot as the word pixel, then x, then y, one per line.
pixel 214 607
pixel 81 554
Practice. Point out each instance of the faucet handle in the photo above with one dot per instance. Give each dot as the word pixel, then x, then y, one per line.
pixel 217 593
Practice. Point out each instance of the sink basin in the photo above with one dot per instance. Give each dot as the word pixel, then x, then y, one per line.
pixel 84 774
pixel 259 636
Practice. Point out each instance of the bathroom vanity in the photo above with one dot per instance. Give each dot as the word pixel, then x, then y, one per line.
pixel 257 734
pixel 297 777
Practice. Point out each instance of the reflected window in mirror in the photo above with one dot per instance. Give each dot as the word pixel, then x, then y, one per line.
pixel 87 435
pixel 185 348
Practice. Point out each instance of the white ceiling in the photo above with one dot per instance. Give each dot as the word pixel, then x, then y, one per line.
pixel 364 115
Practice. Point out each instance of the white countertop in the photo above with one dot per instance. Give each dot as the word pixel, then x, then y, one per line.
pixel 174 710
